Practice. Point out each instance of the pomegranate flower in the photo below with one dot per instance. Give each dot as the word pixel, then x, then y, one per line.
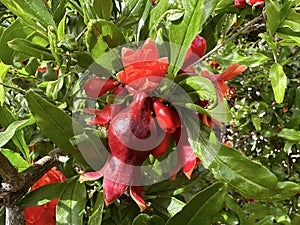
pixel 195 51
pixel 240 3
pixel 243 3
pixel 129 134
pixel 44 214
pixel 219 79
pixel 143 69
pixel 257 3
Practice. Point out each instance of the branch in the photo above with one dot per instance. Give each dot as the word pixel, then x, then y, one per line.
pixel 8 173
pixel 12 191
pixel 234 36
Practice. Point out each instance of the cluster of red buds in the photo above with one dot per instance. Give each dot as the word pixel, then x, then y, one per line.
pixel 243 3
pixel 146 124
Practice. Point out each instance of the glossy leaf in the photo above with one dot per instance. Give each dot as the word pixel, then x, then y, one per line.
pixel 103 37
pixel 202 207
pixel 273 14
pixel 253 60
pixel 88 10
pixel 54 123
pixel 144 219
pixel 292 21
pixel 290 134
pixel 10 131
pixel 15 159
pixel 234 168
pixel 3 71
pixel 31 49
pixel 7 117
pixel 97 210
pixel 34 13
pixel 182 32
pixel 132 13
pixel 17 30
pixel 44 194
pixel 71 205
pixel 103 8
pixel 199 87
pixel 279 82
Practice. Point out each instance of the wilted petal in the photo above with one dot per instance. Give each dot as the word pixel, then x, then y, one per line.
pixel 136 194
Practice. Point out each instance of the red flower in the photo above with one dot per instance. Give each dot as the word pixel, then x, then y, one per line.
pixel 195 51
pixel 44 214
pixel 95 87
pixel 258 3
pixel 240 3
pixel 143 69
pixel 131 137
pixel 219 79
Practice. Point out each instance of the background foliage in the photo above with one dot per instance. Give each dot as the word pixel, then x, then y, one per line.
pixel 259 186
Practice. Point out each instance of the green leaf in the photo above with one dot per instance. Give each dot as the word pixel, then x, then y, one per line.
pixel 278 82
pixel 255 119
pixel 292 21
pixel 10 131
pixel 268 220
pixel 15 159
pixel 31 49
pixel 97 210
pixel 182 32
pixel 3 71
pixel 144 219
pixel 88 10
pixel 290 134
pixel 232 167
pixel 103 8
pixel 273 15
pixel 54 123
pixel 71 205
pixel 202 207
pixel 199 87
pixel 132 13
pixel 17 30
pixel 45 193
pixel 7 117
pixel 103 37
pixel 34 13
pixel 254 60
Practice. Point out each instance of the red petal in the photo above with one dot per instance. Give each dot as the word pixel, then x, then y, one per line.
pixel 90 176
pixel 136 194
pixel 195 51
pixel 103 116
pixel 163 146
pixel 112 190
pixel 232 71
pixel 149 52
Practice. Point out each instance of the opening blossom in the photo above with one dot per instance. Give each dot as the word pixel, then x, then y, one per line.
pixel 46 213
pixel 134 130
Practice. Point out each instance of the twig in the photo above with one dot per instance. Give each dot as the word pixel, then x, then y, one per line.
pixel 229 39
pixel 11 87
pixel 81 34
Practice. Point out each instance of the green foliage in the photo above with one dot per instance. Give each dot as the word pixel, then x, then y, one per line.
pixel 49 48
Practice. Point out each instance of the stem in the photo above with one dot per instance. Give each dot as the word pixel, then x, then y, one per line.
pixel 9 174
pixel 14 88
pixel 250 23
pixel 14 215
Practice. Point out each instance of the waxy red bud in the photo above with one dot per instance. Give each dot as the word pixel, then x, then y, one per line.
pixel 195 51
pixel 167 117
pixel 95 87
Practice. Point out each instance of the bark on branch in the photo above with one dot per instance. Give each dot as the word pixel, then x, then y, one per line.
pixel 15 185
